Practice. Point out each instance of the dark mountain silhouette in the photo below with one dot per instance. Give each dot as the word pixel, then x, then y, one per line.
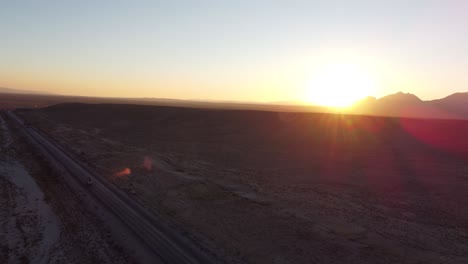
pixel 400 104
pixel 456 104
pixel 409 105
pixel 18 91
pixel 402 98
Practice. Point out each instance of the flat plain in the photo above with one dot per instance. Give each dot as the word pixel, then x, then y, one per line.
pixel 276 187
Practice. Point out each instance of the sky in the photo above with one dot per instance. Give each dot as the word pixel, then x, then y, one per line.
pixel 259 51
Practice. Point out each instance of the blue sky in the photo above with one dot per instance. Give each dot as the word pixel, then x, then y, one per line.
pixel 229 50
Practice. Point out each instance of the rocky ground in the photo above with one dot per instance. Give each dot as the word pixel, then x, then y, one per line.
pixel 41 220
pixel 261 187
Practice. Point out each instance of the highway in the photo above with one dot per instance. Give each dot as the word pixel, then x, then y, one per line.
pixel 137 230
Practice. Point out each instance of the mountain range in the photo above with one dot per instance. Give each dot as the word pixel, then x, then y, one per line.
pixel 18 91
pixel 401 104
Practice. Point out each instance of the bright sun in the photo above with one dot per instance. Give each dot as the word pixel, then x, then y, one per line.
pixel 340 85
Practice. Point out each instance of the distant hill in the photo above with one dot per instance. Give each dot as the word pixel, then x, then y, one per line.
pixel 402 98
pixel 400 104
pixel 409 105
pixel 18 91
pixel 456 104
pixel 289 102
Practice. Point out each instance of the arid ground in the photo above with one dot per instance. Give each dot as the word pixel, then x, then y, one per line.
pixel 267 187
pixel 41 220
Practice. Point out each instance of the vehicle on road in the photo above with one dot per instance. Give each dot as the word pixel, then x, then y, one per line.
pixel 89 182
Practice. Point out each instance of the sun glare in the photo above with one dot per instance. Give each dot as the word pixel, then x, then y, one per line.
pixel 340 85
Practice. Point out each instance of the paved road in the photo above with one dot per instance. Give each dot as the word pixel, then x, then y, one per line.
pixel 132 225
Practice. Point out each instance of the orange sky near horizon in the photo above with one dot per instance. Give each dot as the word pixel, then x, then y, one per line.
pixel 251 51
pixel 283 84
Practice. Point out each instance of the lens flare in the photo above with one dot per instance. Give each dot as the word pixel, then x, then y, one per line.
pixel 123 173
pixel 147 163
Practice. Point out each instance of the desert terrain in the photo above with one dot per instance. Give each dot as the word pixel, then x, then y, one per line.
pixel 13 99
pixel 42 221
pixel 270 187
